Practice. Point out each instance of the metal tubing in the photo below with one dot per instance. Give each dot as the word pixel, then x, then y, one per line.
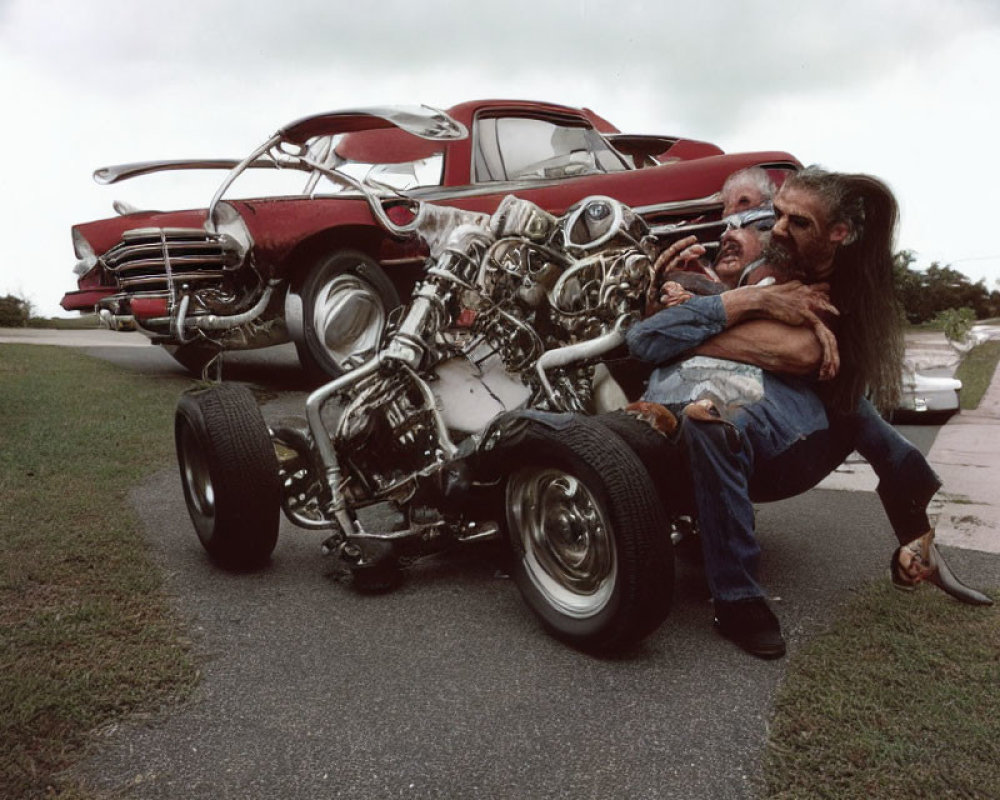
pixel 322 440
pixel 562 356
pixel 234 173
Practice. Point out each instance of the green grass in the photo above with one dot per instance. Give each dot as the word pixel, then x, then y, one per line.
pixel 85 632
pixel 976 371
pixel 82 321
pixel 898 699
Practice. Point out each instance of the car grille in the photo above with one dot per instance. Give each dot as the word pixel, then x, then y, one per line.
pixel 146 258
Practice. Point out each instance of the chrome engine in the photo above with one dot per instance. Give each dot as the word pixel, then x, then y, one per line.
pixel 515 311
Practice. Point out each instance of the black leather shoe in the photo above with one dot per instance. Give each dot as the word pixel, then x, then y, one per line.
pixel 751 625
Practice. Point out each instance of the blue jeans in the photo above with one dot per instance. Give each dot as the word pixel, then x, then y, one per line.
pixel 774 448
pixel 763 457
pixel 906 481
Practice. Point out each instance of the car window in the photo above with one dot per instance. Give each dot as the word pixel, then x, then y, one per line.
pixel 401 175
pixel 512 148
pixel 407 175
pixel 287 178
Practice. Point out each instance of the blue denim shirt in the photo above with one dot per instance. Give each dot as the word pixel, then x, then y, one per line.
pixel 773 410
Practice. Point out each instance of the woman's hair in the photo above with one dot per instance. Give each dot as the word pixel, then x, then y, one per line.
pixel 862 287
pixel 754 177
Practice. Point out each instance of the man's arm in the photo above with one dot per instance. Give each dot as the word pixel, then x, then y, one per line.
pixel 786 320
pixel 784 335
pixel 674 331
pixel 774 346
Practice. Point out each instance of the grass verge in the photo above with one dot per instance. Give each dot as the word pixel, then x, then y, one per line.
pixel 897 699
pixel 85 633
pixel 81 322
pixel 976 371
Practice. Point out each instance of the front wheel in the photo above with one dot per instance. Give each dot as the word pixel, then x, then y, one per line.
pixel 591 548
pixel 229 473
pixel 345 302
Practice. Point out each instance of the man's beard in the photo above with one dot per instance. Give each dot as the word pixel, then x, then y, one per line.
pixel 779 258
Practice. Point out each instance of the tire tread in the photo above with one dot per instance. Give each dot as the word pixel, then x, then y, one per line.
pixel 244 472
pixel 641 530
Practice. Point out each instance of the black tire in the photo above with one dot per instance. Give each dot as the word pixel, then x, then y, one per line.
pixel 590 553
pixel 229 473
pixel 663 457
pixel 345 301
pixel 193 357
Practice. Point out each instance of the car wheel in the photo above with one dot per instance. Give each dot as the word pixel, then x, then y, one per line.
pixel 193 357
pixel 590 553
pixel 663 457
pixel 229 473
pixel 345 301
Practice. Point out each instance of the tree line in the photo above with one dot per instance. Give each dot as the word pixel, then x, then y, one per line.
pixel 926 294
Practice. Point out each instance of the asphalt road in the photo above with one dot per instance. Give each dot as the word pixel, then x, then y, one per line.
pixel 447 687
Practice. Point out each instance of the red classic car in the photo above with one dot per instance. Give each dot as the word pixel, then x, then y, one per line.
pixel 323 264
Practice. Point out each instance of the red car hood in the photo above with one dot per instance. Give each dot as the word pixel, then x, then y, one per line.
pixel 103 234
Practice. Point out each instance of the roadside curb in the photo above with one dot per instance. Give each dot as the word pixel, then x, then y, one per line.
pixel 73 337
pixel 965 455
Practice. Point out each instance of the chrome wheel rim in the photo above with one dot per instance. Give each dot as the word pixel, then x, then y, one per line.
pixel 348 317
pixel 567 546
pixel 196 475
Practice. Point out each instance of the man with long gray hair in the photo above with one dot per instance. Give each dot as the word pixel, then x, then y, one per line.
pixel 783 430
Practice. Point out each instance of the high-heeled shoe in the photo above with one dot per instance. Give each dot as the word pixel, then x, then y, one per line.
pixel 919 561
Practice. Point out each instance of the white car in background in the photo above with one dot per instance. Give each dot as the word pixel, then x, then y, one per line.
pixel 936 397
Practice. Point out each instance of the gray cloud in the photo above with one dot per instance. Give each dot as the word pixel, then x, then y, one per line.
pixel 708 63
pixel 849 83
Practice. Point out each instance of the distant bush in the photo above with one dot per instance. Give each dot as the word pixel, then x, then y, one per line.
pixel 956 323
pixel 14 312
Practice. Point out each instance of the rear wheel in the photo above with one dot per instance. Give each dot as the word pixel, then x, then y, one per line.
pixel 591 552
pixel 229 473
pixel 346 299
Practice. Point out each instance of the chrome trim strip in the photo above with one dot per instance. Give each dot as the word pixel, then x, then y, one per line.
pixel 156 267
pixel 395 262
pixel 156 280
pixel 709 203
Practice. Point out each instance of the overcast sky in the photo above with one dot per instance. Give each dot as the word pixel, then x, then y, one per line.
pixel 905 90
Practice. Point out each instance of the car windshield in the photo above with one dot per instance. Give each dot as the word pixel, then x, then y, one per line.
pixel 517 148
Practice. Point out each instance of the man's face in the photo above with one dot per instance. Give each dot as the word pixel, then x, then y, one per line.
pixel 741 197
pixel 802 240
pixel 737 248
